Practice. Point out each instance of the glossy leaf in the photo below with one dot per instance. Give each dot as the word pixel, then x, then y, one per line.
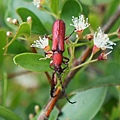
pixel 16 48
pixel 24 29
pixel 105 81
pixel 55 6
pixel 111 79
pixel 37 26
pixel 30 61
pixel 88 103
pixel 8 115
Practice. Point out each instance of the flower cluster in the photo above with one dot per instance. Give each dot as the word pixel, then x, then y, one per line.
pixel 41 43
pixel 38 3
pixel 101 41
pixel 80 23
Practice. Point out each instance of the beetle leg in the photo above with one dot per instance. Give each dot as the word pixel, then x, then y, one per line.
pixel 48 37
pixel 63 90
pixel 67 60
pixel 54 82
pixel 69 35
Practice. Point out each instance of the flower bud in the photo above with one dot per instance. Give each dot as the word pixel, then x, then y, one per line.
pixel 9 33
pixel 103 56
pixel 89 37
pixel 15 22
pixel 37 108
pixel 29 19
pixel 9 20
pixel 31 116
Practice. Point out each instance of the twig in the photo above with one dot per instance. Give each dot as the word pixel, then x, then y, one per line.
pixel 44 115
pixel 112 20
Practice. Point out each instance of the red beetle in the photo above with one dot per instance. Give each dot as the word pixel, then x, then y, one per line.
pixel 58 33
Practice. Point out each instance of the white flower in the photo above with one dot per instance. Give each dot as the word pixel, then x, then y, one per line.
pixel 37 2
pixel 41 43
pixel 102 41
pixel 79 23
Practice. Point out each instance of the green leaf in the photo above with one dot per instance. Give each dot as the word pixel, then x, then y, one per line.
pixel 113 69
pixel 54 114
pixel 24 29
pixel 2 44
pixel 54 6
pixel 37 26
pixel 105 81
pixel 95 2
pixel 16 48
pixel 8 115
pixel 88 103
pixel 100 116
pixel 85 10
pixel 94 20
pixel 3 7
pixel 68 11
pixel 30 61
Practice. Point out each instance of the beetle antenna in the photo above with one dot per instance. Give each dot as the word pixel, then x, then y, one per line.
pixel 63 90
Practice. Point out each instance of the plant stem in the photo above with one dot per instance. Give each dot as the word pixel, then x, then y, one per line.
pixel 113 33
pixel 83 64
pixel 49 107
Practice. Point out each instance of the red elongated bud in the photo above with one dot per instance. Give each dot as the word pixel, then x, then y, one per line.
pixel 102 56
pixel 89 37
pixel 58 32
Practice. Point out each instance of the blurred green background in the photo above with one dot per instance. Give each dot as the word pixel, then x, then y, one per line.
pixel 21 90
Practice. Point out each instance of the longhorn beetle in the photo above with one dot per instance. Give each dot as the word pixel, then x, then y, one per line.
pixel 58 39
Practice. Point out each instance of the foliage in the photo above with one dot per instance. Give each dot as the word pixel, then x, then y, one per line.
pixel 24 73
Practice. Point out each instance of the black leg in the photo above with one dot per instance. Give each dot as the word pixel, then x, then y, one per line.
pixel 54 82
pixel 63 90
pixel 69 35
